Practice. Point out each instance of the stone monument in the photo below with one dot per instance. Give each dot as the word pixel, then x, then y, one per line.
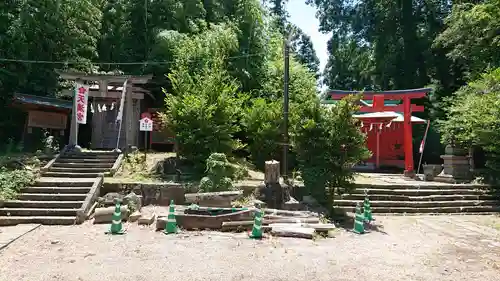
pixel 456 167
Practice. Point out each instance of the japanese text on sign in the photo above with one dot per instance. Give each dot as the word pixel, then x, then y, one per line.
pixel 146 124
pixel 81 98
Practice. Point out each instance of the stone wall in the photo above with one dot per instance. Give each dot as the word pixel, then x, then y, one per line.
pixel 152 193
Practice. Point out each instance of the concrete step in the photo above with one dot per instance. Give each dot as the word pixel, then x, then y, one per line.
pixel 85 160
pixel 94 152
pixel 51 182
pixel 419 192
pixel 421 204
pixel 51 197
pixel 37 212
pixel 78 170
pixel 439 197
pixel 421 187
pixel 90 156
pixel 430 210
pixel 47 220
pixel 71 175
pixel 83 165
pixel 43 204
pixel 56 190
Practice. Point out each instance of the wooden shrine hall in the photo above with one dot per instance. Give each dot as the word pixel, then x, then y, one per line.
pixel 386 118
pixel 105 92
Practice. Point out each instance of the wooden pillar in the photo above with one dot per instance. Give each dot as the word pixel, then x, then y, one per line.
pixel 377 161
pixel 128 116
pixel 272 172
pixel 408 138
pixel 73 133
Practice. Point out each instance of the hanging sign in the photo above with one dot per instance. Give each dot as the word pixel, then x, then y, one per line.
pixel 81 99
pixel 146 125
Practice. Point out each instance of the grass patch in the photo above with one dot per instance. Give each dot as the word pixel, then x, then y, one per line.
pixel 17 172
pixel 165 167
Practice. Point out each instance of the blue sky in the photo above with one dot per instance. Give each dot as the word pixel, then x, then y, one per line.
pixel 304 17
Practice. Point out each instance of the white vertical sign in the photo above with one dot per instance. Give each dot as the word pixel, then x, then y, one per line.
pixel 81 99
pixel 146 125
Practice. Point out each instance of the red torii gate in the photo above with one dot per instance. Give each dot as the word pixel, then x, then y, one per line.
pixel 406 107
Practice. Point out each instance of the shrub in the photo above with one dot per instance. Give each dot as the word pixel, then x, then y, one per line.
pixel 328 143
pixel 11 182
pixel 219 173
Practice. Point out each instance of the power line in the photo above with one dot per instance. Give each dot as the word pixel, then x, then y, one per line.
pixel 114 63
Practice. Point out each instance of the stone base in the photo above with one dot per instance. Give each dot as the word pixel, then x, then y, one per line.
pixel 409 174
pixel 455 169
pixel 73 148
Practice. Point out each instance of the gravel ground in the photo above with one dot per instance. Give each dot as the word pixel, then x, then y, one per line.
pixel 405 248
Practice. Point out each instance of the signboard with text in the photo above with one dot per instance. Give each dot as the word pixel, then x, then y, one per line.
pixel 81 99
pixel 48 120
pixel 146 125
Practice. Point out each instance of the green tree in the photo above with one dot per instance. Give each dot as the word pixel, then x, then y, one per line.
pixel 303 49
pixel 473 119
pixel 472 36
pixel 263 118
pixel 328 143
pixel 204 107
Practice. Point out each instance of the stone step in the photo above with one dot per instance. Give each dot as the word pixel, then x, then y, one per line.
pixel 71 175
pixel 37 212
pixel 420 187
pixel 421 204
pixel 438 197
pixel 43 204
pixel 83 165
pixel 89 156
pixel 419 192
pixel 85 160
pixel 51 197
pixel 47 220
pixel 430 210
pixel 78 170
pixel 51 182
pixel 56 189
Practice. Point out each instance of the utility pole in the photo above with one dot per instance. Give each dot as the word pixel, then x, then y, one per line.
pixel 285 110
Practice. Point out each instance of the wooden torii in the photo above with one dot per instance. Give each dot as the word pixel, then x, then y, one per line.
pixel 406 107
pixel 106 84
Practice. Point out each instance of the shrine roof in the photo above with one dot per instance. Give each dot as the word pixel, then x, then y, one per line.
pixel 399 92
pixel 43 101
pixel 365 102
pixel 397 116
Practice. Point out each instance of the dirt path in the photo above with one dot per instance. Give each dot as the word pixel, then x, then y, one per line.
pixel 408 248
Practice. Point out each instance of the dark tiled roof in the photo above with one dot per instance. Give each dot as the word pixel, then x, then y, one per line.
pixel 43 101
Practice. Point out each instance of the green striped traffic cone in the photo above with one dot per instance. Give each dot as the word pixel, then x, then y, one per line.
pixel 171 226
pixel 116 221
pixel 257 225
pixel 367 210
pixel 359 227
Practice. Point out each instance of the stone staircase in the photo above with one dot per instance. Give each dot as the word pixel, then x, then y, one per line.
pixel 423 199
pixel 65 192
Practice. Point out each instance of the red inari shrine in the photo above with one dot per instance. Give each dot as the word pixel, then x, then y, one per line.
pixel 386 118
